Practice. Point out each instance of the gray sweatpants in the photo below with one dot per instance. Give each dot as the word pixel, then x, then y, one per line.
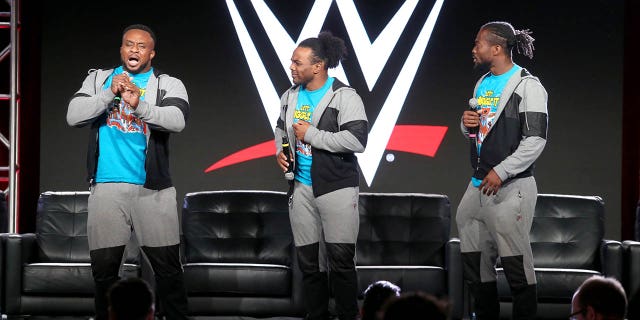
pixel 115 209
pixel 498 225
pixel 329 218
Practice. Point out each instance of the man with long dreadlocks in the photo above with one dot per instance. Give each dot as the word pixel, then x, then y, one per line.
pixel 507 127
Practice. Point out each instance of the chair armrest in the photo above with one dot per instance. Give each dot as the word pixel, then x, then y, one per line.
pixel 3 249
pixel 454 278
pixel 20 250
pixel 631 275
pixel 611 257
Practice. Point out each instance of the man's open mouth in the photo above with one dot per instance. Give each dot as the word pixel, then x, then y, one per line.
pixel 133 61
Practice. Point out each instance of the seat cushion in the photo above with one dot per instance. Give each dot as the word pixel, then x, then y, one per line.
pixel 403 229
pixel 237 227
pixel 64 278
pixel 567 232
pixel 61 227
pixel 409 278
pixel 554 285
pixel 237 279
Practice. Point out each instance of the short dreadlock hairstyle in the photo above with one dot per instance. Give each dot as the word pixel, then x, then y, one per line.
pixel 506 36
pixel 326 47
pixel 143 28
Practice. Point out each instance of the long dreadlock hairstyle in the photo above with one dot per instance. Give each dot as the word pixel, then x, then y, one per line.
pixel 508 37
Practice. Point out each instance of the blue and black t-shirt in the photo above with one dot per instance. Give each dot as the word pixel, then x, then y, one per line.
pixel 488 95
pixel 307 102
pixel 123 139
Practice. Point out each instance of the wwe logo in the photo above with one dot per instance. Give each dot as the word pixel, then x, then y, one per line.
pixel 372 57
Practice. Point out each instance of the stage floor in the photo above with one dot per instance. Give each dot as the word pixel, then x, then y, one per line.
pixel 194 318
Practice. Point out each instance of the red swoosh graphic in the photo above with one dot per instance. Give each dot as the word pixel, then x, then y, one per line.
pixel 422 140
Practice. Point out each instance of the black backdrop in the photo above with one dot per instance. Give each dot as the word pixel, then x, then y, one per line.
pixel 578 57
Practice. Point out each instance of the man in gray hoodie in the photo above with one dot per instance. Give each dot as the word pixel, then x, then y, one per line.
pixel 508 130
pixel 326 121
pixel 132 110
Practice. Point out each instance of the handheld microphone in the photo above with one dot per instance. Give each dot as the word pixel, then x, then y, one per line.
pixel 473 106
pixel 287 152
pixel 114 106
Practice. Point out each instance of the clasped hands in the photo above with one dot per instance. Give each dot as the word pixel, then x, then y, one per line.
pixel 121 84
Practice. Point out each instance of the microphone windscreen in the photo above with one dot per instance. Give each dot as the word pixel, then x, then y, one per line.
pixel 473 103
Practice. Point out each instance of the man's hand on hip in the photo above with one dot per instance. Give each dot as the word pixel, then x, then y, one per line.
pixel 491 183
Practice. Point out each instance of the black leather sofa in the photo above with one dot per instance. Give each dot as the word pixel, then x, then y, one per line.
pixel 3 236
pixel 240 258
pixel 48 272
pixel 567 238
pixel 404 238
pixel 4 213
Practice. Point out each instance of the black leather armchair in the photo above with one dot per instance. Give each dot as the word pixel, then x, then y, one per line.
pixel 239 254
pixel 404 238
pixel 631 276
pixel 49 272
pixel 4 213
pixel 3 236
pixel 567 238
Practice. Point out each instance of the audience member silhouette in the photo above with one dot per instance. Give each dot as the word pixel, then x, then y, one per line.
pixel 375 297
pixel 131 299
pixel 633 311
pixel 599 298
pixel 416 306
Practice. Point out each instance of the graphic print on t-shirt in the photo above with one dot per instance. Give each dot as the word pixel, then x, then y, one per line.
pixel 488 95
pixel 487 105
pixel 122 118
pixel 303 113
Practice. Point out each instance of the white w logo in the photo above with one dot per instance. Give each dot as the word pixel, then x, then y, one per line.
pixel 372 57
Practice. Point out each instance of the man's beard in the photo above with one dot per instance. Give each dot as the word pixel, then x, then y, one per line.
pixel 301 82
pixel 482 67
